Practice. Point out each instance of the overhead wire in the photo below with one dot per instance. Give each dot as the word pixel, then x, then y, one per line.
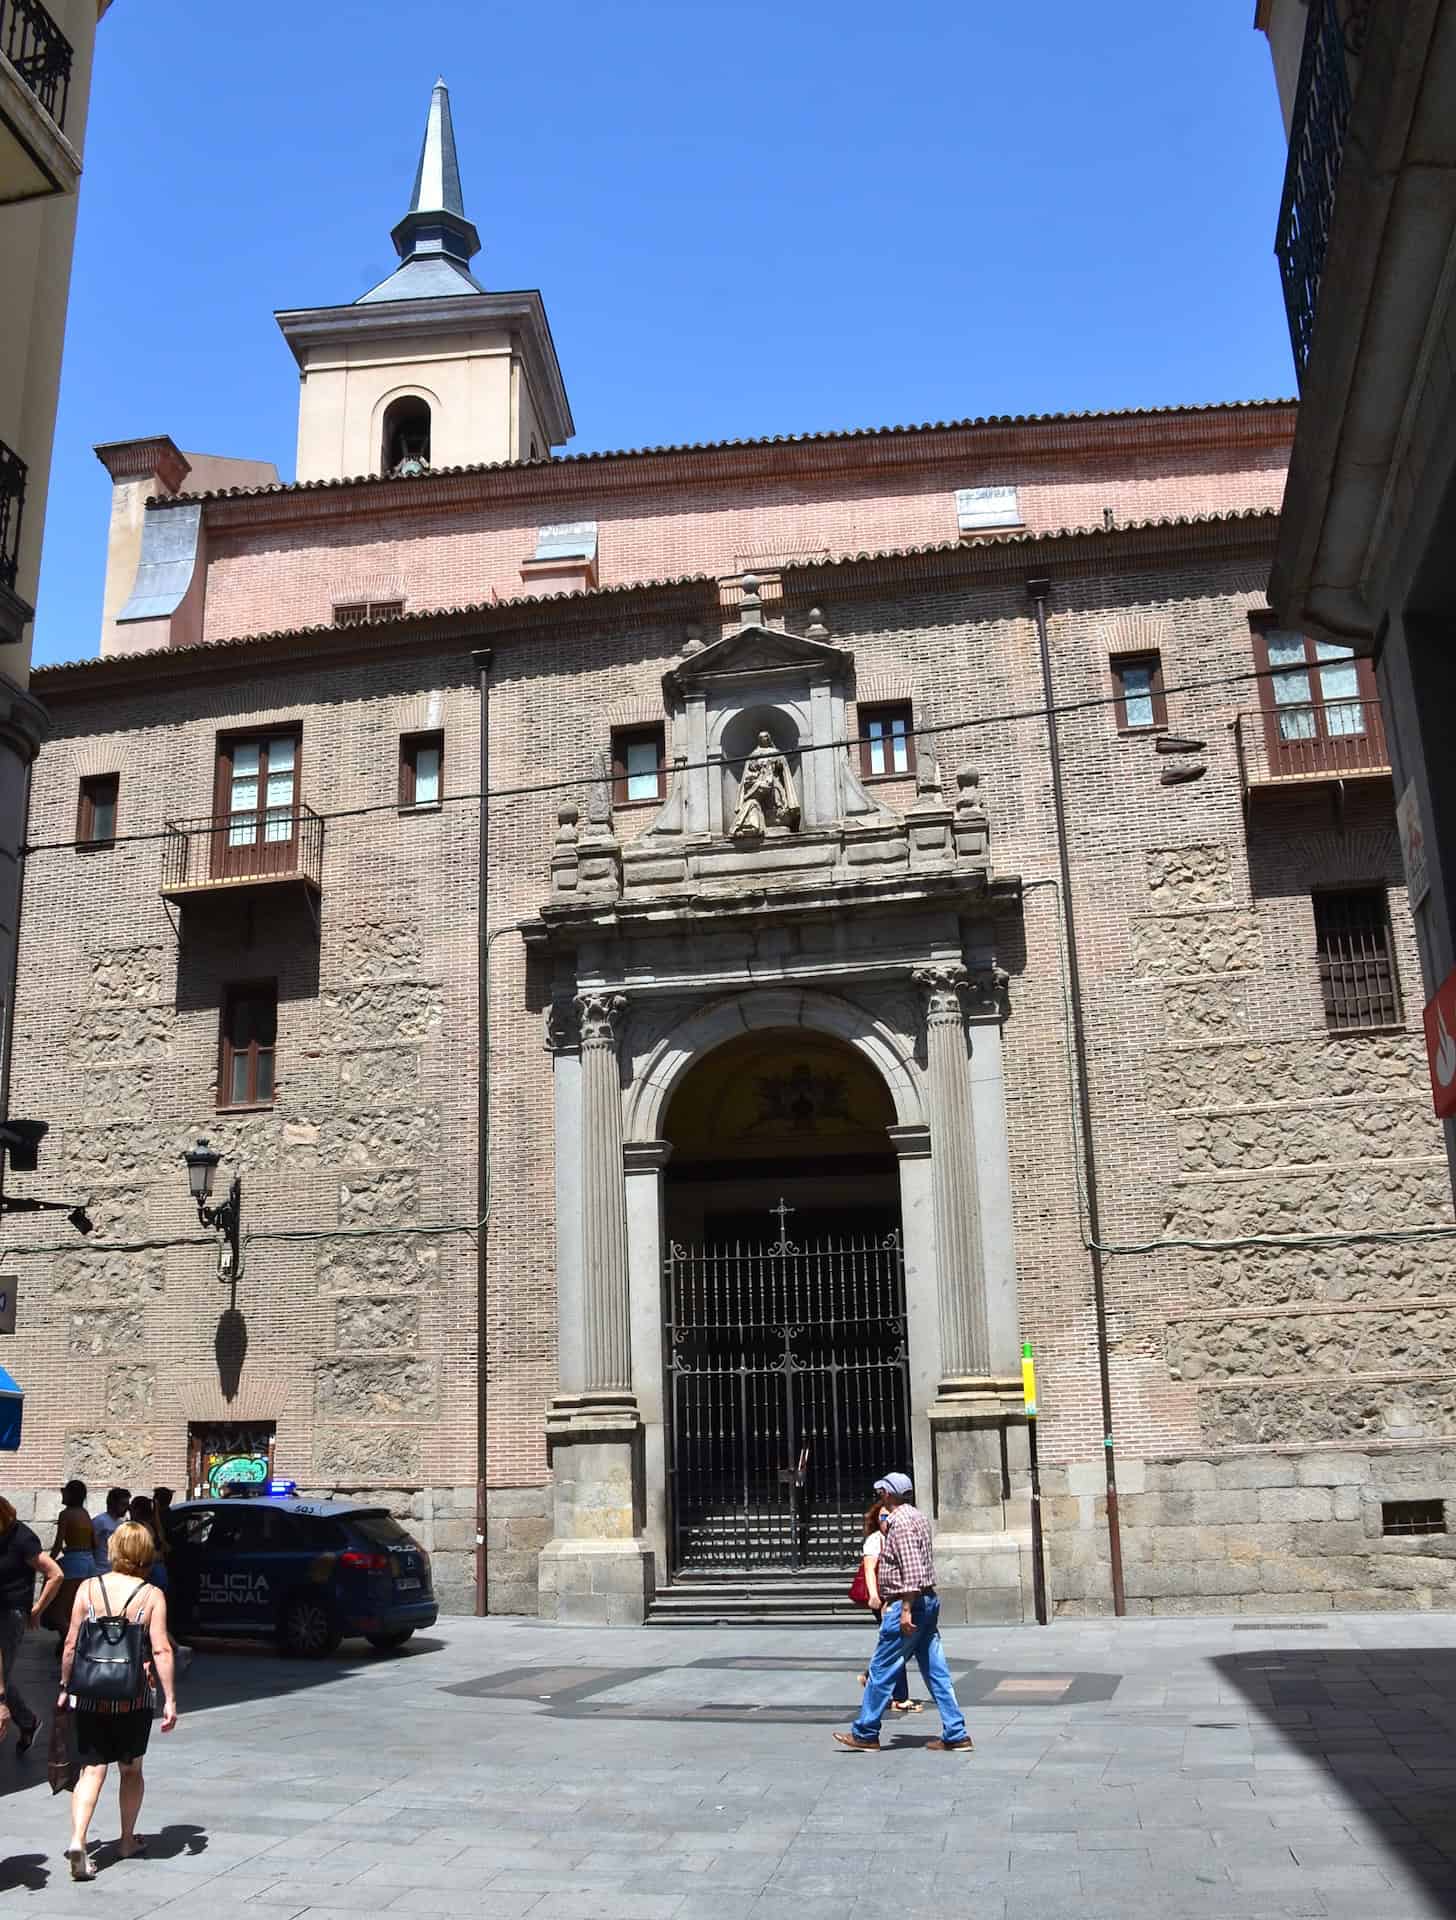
pixel 571 783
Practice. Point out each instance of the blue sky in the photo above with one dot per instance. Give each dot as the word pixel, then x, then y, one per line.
pixel 745 218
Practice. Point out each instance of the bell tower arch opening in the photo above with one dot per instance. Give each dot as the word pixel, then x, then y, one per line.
pixel 787 1388
pixel 405 435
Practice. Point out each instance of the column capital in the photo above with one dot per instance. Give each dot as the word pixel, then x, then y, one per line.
pixel 600 1014
pixel 562 1024
pixel 942 987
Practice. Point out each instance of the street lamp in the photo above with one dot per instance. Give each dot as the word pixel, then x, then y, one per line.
pixel 226 1219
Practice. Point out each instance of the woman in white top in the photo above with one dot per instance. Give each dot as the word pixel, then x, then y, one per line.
pixel 107 1731
pixel 875 1520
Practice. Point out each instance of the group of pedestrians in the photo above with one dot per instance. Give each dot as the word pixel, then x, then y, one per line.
pixel 107 1570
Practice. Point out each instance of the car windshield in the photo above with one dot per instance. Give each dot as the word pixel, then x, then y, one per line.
pixel 380 1529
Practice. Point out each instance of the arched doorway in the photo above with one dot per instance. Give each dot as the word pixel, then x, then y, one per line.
pixel 784 1300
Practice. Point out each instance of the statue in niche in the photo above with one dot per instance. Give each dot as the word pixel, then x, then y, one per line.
pixel 766 796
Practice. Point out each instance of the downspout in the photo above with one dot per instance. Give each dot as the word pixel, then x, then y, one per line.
pixel 12 985
pixel 481 662
pixel 1039 591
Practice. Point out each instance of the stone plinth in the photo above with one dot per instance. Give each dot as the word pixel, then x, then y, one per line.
pixel 982 1540
pixel 596 1568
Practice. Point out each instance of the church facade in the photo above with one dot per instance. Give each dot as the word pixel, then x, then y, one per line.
pixel 609 910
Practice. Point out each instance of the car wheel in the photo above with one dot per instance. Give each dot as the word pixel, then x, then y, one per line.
pixel 307 1630
pixel 386 1642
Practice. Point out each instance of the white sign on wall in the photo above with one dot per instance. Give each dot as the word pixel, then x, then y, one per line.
pixel 978 507
pixel 1413 845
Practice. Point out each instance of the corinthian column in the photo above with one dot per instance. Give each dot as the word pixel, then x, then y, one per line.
pixel 603 1198
pixel 964 1347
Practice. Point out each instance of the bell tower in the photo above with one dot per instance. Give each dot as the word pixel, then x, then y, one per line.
pixel 427 369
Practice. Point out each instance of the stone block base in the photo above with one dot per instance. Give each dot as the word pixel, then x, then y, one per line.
pixel 1267 1533
pixel 600 1583
pixel 517 1526
pixel 983 1579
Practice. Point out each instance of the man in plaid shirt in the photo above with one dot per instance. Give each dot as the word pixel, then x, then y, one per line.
pixel 909 1627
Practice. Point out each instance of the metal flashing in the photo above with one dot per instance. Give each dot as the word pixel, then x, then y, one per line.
pixel 168 560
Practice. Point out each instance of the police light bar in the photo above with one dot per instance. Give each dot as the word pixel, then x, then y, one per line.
pixel 285 1487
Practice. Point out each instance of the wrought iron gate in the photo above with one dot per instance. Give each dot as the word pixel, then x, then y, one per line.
pixel 789 1390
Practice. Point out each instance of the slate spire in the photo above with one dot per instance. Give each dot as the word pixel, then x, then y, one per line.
pixel 435 241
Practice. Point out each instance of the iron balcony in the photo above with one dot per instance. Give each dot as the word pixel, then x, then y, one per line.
pixel 232 853
pixel 1312 178
pixel 12 507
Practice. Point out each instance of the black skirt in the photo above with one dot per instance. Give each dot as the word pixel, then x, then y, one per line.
pixel 104 1738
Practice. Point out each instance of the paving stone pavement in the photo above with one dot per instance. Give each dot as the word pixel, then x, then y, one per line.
pixel 502 1768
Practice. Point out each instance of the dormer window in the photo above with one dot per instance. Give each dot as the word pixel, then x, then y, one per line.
pixel 406 446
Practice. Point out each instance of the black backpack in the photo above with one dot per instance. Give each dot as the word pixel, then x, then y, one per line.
pixel 112 1653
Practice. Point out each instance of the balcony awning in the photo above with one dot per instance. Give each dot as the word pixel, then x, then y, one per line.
pixel 12 1404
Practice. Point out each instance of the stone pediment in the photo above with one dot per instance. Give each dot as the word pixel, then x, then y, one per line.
pixel 758 649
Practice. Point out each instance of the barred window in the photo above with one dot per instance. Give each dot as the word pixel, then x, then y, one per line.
pixel 362 613
pixel 1356 962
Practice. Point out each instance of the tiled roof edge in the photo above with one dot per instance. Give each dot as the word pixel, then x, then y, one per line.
pixel 416 623
pixel 834 437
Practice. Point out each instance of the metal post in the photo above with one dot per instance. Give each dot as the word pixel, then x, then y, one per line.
pixel 1038 1548
pixel 1039 591
pixel 481 662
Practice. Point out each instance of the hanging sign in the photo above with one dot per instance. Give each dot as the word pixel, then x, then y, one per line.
pixel 1440 1021
pixel 1413 846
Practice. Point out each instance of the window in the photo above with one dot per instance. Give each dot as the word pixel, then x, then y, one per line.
pixel 1412 1516
pixel 96 812
pixel 886 740
pixel 406 447
pixel 1318 695
pixel 1321 712
pixel 421 769
pixel 1137 681
pixel 1356 964
pixel 359 613
pixel 637 764
pixel 257 801
pixel 249 1042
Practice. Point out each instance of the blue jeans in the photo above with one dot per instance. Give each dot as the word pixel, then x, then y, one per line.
pixel 893 1650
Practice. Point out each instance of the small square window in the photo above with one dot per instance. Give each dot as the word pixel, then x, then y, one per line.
pixel 362 613
pixel 1412 1516
pixel 249 1045
pixel 1137 682
pixel 638 772
pixel 96 811
pixel 421 769
pixel 886 741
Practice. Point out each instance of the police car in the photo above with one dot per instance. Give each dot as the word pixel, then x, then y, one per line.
pixel 306 1571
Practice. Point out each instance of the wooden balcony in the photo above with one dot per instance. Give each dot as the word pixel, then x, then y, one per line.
pixel 1325 743
pixel 273 850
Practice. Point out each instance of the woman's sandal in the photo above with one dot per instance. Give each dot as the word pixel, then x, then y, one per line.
pixel 906 1706
pixel 83 1867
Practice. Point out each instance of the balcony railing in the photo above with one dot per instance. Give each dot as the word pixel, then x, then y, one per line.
pixel 1316 152
pixel 39 52
pixel 228 852
pixel 12 507
pixel 1326 740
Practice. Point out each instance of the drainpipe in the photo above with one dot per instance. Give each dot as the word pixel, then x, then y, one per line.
pixel 1039 591
pixel 481 663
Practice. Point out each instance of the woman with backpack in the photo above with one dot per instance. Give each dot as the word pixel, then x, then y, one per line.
pixel 118 1640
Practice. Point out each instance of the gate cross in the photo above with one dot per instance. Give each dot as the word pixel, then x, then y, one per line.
pixel 783 1210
